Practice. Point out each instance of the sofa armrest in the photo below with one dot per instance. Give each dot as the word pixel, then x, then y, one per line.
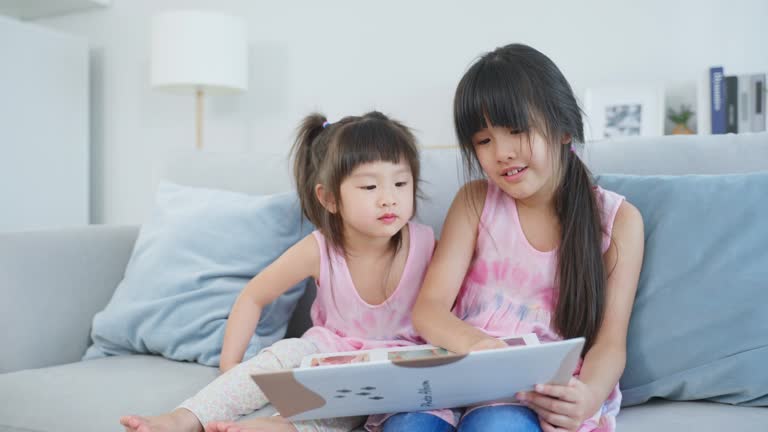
pixel 52 283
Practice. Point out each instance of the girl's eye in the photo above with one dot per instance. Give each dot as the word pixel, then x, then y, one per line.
pixel 483 141
pixel 401 184
pixel 371 187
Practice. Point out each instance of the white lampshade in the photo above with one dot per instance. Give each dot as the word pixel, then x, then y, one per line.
pixel 199 49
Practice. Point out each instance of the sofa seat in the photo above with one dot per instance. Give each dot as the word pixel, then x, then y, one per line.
pixel 58 398
pixel 101 390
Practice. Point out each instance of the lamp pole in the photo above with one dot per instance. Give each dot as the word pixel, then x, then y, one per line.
pixel 199 118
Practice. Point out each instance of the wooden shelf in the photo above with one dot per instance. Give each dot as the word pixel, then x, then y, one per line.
pixel 31 9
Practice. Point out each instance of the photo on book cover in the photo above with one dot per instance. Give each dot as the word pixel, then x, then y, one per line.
pixel 410 354
pixel 340 359
pixel 399 354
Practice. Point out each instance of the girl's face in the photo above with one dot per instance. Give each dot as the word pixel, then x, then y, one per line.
pixel 520 167
pixel 377 198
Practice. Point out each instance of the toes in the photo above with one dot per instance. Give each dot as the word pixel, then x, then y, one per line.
pixel 130 421
pixel 143 427
pixel 217 426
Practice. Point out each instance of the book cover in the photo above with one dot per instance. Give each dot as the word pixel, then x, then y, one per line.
pixel 757 86
pixel 731 104
pixel 408 380
pixel 717 99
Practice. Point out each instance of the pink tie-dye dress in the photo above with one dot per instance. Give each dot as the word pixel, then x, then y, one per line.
pixel 510 286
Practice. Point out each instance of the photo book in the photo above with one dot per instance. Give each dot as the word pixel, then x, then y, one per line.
pixel 416 378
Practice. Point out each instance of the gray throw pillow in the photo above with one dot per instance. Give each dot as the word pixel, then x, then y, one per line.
pixel 190 262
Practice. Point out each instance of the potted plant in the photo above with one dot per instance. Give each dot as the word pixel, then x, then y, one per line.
pixel 680 119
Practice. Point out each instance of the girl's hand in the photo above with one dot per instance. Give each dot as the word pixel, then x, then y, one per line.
pixel 487 343
pixel 225 366
pixel 561 407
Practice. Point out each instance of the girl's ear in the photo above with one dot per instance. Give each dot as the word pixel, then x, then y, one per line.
pixel 567 139
pixel 325 198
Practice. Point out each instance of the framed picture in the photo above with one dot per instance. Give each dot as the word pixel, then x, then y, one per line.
pixel 613 112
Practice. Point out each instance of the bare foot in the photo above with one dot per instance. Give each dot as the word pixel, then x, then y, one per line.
pixel 180 420
pixel 261 424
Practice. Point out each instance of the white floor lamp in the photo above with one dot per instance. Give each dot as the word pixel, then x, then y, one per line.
pixel 200 50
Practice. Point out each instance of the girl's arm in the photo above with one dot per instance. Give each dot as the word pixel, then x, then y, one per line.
pixel 299 262
pixel 604 362
pixel 568 406
pixel 432 316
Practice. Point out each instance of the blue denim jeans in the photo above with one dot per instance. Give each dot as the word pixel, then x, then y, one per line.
pixel 416 422
pixel 513 418
pixel 499 418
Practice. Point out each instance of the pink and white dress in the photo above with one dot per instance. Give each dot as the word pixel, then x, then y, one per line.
pixel 342 321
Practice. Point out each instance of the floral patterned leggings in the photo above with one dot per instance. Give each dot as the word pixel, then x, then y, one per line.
pixel 234 394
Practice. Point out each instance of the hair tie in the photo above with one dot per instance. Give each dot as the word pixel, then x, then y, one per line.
pixel 326 124
pixel 573 150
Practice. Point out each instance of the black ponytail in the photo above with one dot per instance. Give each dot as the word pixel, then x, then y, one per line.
pixel 306 165
pixel 581 275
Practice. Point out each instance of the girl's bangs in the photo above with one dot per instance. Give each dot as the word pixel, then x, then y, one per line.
pixel 372 141
pixel 494 91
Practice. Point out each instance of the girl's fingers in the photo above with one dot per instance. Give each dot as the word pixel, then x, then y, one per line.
pixel 546 427
pixel 554 419
pixel 566 393
pixel 551 404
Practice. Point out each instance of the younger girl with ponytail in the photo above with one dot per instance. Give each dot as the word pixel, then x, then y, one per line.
pixel 535 246
pixel 357 182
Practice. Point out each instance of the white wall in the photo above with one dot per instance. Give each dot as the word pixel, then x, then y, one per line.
pixel 44 149
pixel 401 57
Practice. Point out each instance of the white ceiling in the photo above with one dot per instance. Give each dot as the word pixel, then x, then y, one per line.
pixel 31 9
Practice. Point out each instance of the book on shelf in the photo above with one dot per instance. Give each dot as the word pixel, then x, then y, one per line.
pixel 743 96
pixel 757 102
pixel 717 100
pixel 731 104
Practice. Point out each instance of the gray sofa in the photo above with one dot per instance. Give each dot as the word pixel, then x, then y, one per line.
pixel 53 282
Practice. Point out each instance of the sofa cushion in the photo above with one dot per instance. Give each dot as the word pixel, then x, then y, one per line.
pixel 191 260
pixel 699 328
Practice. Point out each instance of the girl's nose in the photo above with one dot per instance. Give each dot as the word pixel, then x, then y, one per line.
pixel 506 150
pixel 389 202
pixel 387 199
